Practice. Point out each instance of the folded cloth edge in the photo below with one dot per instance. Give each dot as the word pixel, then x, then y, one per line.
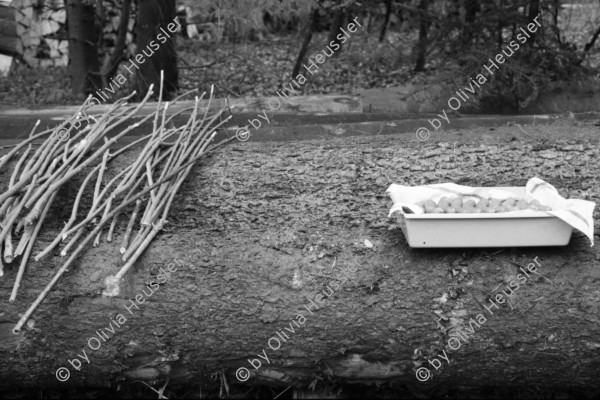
pixel 575 212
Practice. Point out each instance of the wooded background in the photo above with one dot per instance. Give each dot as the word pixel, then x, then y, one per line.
pixel 423 42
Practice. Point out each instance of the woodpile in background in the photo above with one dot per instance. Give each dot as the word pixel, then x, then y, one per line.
pixel 41 37
pixel 9 41
pixel 41 31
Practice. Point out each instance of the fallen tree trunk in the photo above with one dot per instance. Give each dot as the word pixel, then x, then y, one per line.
pixel 261 230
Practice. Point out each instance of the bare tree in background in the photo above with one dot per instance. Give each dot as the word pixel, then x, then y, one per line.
pixel 311 27
pixel 386 21
pixel 339 18
pixel 421 47
pixel 152 15
pixel 84 35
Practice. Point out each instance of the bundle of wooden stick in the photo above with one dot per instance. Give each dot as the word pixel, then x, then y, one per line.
pixel 149 184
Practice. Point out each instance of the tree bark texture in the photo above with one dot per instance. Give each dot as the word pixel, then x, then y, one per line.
pixel 84 33
pixel 421 47
pixel 308 34
pixel 338 21
pixel 260 230
pixel 9 39
pixel 111 64
pixel 472 7
pixel 534 11
pixel 388 13
pixel 152 16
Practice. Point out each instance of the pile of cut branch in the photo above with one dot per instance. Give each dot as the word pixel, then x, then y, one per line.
pixel 149 184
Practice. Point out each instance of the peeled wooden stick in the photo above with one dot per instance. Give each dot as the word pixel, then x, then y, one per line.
pixel 72 242
pixel 139 238
pixel 125 242
pixel 14 188
pixel 161 203
pixel 106 211
pixel 139 250
pixel 8 248
pixel 73 217
pixel 149 176
pixel 93 213
pixel 127 147
pixel 154 195
pixel 100 176
pixel 18 166
pixel 38 158
pixel 92 234
pixel 149 236
pixel 189 149
pixel 106 207
pixel 24 240
pixel 42 198
pixel 24 179
pixel 35 167
pixel 25 257
pixel 65 231
pixel 148 209
pixel 109 237
pixel 10 219
pixel 111 229
pixel 138 164
pixel 48 166
pixel 6 206
pixel 24 143
pixel 160 95
pixel 99 183
pixel 57 240
pixel 152 212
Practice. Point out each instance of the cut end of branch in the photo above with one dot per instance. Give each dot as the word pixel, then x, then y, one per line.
pixel 29 222
pixel 112 286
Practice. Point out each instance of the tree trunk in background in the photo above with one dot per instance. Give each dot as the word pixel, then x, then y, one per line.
pixel 471 9
pixel 534 11
pixel 112 64
pixel 500 28
pixel 152 16
pixel 337 23
pixel 555 11
pixel 10 43
pixel 421 48
pixel 84 35
pixel 388 12
pixel 592 41
pixel 310 28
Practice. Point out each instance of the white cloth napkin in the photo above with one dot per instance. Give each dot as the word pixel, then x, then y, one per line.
pixel 577 213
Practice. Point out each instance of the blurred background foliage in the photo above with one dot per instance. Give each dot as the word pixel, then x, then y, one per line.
pixel 250 47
